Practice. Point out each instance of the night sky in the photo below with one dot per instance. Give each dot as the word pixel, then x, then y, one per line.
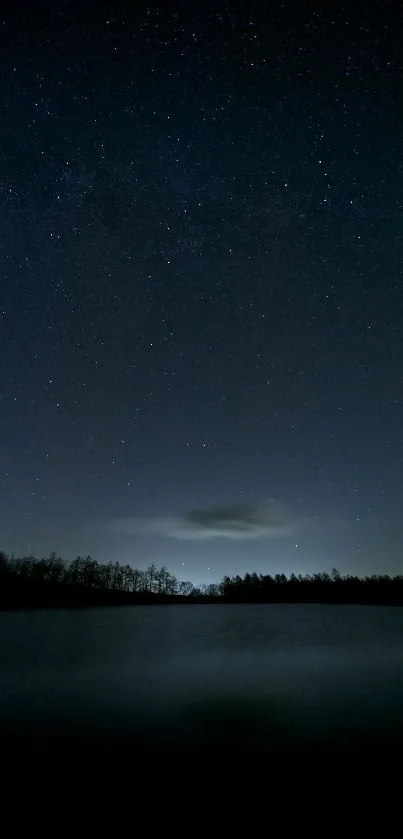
pixel 201 313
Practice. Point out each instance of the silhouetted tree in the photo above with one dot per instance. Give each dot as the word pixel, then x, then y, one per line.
pixel 172 585
pixel 150 577
pixel 186 588
pixel 213 590
pixel 138 580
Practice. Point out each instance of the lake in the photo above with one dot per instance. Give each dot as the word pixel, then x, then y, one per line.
pixel 282 680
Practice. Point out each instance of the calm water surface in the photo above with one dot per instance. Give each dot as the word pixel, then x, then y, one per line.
pixel 275 679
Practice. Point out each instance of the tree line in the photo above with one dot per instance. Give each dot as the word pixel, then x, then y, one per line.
pixel 84 574
pixel 321 587
pixel 29 581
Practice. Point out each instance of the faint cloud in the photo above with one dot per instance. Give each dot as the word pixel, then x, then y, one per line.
pixel 233 521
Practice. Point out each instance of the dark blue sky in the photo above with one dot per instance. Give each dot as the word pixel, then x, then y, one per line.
pixel 201 282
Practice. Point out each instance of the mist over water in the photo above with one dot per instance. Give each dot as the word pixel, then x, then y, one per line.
pixel 283 680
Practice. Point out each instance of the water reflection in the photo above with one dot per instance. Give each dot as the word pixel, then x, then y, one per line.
pixel 286 679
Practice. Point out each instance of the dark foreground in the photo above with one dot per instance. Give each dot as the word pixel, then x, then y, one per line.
pixel 288 683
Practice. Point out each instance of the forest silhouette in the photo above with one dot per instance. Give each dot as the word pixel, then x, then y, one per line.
pixel 29 582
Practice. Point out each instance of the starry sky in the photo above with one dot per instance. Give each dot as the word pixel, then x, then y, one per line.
pixel 201 314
